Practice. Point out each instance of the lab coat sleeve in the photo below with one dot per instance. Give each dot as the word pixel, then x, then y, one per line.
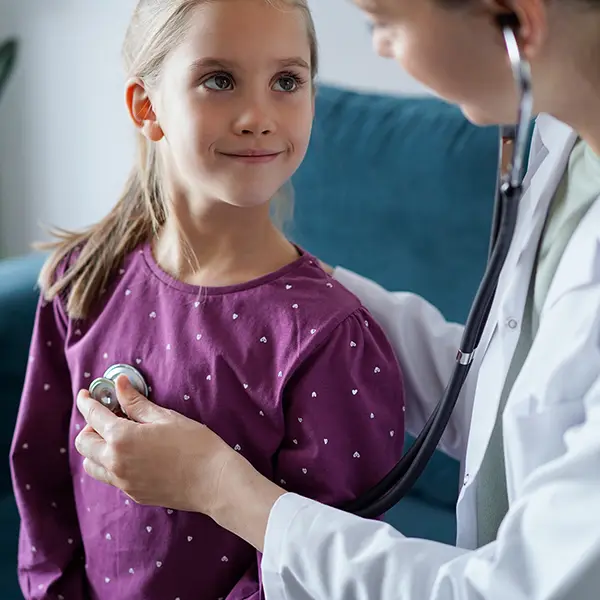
pixel 426 345
pixel 548 546
pixel 51 559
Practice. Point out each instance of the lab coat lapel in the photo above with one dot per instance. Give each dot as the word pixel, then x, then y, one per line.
pixel 579 264
pixel 557 142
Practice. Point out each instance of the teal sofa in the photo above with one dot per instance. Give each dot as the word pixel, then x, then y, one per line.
pixel 397 189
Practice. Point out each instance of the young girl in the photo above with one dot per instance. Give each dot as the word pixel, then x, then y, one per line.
pixel 189 281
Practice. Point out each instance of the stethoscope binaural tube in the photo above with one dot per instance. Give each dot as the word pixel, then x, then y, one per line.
pixel 398 482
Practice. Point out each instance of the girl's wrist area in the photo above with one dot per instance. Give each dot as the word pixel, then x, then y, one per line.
pixel 244 500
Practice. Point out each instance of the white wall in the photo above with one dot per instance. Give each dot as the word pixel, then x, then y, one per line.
pixel 65 143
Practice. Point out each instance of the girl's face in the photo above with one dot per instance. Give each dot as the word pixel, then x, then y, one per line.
pixel 458 53
pixel 235 102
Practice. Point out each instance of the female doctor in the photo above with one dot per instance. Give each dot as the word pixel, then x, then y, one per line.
pixel 527 424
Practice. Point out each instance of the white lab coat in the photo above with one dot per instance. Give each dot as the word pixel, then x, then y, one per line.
pixel 548 547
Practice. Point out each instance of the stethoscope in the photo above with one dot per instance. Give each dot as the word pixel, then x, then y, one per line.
pixel 398 482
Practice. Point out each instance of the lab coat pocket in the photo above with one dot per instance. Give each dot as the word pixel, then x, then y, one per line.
pixel 535 438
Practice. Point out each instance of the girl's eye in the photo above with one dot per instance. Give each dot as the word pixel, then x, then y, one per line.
pixel 286 83
pixel 219 83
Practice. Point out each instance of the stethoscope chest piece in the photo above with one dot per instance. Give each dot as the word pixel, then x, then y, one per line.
pixel 104 391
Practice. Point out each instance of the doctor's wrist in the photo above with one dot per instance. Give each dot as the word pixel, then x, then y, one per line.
pixel 244 501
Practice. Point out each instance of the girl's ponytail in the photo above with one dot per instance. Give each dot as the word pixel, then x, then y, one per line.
pixel 91 257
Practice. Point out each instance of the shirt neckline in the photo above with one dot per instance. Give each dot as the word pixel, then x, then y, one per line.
pixel 188 288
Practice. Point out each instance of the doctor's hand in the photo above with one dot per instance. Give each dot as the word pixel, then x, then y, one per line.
pixel 159 457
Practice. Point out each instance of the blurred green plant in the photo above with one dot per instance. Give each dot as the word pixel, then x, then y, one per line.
pixel 8 55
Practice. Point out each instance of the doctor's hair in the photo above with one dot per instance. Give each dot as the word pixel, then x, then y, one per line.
pixel 88 259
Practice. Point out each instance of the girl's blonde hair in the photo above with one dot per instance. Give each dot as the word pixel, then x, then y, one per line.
pixel 96 253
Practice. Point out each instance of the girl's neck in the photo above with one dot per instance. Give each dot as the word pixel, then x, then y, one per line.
pixel 223 246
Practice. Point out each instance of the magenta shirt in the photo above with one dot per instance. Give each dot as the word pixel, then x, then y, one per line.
pixel 288 369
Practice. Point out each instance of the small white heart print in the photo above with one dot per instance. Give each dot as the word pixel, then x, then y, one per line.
pixel 78 332
pixel 208 377
pixel 326 441
pixel 261 413
pixel 376 370
pixel 46 387
pixel 27 487
pixel 305 471
pixel 366 323
pixel 41 586
pixel 237 448
pixel 330 285
pixel 25 446
pixel 199 337
pixel 63 450
pixel 280 374
pixel 235 316
pixel 283 482
pixel 121 271
pixel 354 392
pixel 372 416
pixel 168 346
pixel 152 315
pixel 108 536
pixel 299 419
pixel 313 331
pixel 196 304
pixel 356 455
pixel 54 505
pixel 186 397
pixel 224 559
pixel 87 375
pixel 127 503
pixel 294 306
pixel 295 441
pixel 189 538
pixel 105 355
pixel 107 579
pixel 245 386
pixel 49 344
pixel 138 361
pixel 263 340
pixel 70 541
pixel 158 564
pixel 78 426
pixel 314 394
pixel 131 571
pixel 352 344
pixel 149 529
pixel 128 292
pixel 169 511
pixel 288 287
pixel 392 433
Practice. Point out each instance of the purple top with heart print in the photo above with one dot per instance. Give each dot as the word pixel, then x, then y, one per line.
pixel 288 369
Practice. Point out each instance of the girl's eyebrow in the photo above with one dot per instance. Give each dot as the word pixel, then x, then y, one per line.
pixel 219 63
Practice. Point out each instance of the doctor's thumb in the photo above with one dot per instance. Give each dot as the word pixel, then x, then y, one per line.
pixel 135 406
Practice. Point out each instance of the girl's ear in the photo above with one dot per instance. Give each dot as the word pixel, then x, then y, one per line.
pixel 141 110
pixel 531 15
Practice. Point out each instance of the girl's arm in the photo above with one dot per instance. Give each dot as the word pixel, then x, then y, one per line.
pixel 344 418
pixel 51 557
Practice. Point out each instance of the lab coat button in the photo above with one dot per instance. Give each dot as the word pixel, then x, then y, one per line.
pixel 512 323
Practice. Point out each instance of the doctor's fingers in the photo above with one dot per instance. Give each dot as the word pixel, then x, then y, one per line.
pixel 108 425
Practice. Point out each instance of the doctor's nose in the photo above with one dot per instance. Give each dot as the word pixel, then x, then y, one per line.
pixel 254 121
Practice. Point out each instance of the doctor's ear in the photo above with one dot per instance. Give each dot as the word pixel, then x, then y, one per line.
pixel 526 17
pixel 141 110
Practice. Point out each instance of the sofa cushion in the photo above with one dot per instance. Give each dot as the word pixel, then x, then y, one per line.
pixel 18 299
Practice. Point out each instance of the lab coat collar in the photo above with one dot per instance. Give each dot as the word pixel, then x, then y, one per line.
pixel 554 134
